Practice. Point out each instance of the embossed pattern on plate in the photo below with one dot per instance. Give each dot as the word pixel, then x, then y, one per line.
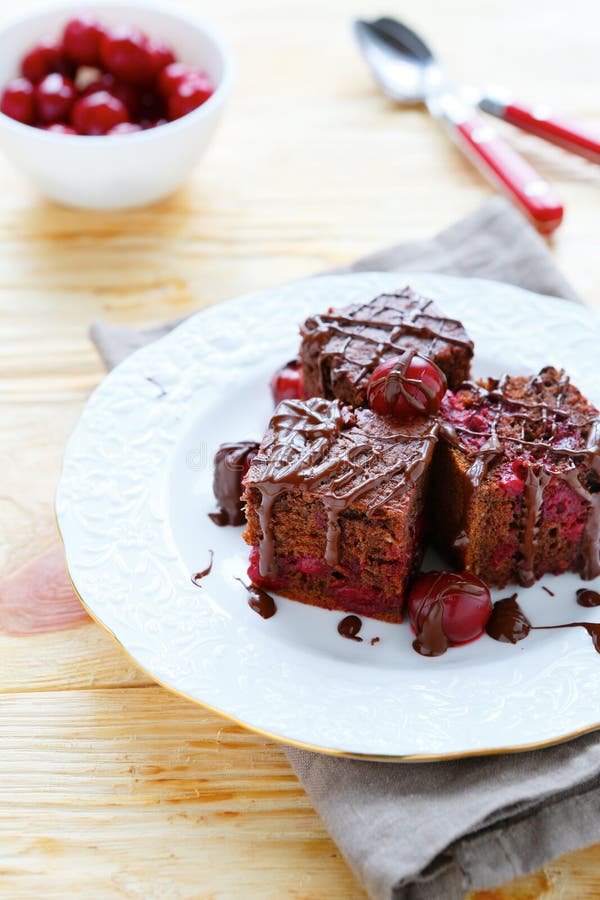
pixel 132 508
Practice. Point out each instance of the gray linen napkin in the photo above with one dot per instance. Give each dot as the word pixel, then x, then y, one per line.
pixel 493 242
pixel 426 831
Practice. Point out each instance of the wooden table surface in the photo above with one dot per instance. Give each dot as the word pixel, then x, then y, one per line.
pixel 110 786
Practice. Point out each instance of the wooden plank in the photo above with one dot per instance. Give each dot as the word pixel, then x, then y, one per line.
pixel 131 792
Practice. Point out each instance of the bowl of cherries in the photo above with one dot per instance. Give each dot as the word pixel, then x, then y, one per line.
pixel 109 106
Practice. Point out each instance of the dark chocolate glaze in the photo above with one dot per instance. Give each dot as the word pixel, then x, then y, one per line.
pixel 230 460
pixel 540 424
pixel 259 601
pixel 349 627
pixel 509 623
pixel 346 456
pixel 197 578
pixel 431 638
pixel 588 598
pixel 357 338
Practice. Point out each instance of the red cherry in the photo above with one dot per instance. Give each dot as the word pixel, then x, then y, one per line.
pixel 81 40
pixel 161 56
pixel 18 101
pixel 45 57
pixel 286 383
pixel 125 128
pixel 126 93
pixel 172 75
pixel 60 128
pixel 404 391
pixel 124 52
pixel 98 113
pixel 189 94
pixel 465 600
pixel 55 96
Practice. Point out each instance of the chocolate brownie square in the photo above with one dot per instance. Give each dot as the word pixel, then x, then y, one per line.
pixel 335 506
pixel 515 487
pixel 341 348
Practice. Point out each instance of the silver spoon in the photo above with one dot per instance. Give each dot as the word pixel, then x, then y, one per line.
pixel 538 119
pixel 408 72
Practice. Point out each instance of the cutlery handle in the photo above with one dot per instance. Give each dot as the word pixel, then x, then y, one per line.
pixel 557 129
pixel 506 169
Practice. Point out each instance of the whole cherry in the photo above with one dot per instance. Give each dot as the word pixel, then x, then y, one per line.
pixel 161 56
pixel 172 75
pixel 126 93
pixel 18 101
pixel 406 387
pixel 286 383
pixel 98 113
pixel 463 600
pixel 81 40
pixel 44 57
pixel 189 94
pixel 55 95
pixel 125 53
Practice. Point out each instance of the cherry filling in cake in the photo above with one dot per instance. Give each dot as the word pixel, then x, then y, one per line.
pixel 335 506
pixel 516 479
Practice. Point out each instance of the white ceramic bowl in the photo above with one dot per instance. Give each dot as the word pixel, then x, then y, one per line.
pixel 120 171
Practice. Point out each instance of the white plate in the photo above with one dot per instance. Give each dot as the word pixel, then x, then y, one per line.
pixel 132 508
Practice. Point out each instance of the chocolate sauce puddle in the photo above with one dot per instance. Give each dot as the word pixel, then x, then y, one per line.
pixel 349 628
pixel 509 624
pixel 197 578
pixel 259 601
pixel 587 598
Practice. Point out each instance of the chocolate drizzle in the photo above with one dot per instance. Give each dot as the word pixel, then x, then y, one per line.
pixel 587 598
pixel 357 338
pixel 343 456
pixel 431 639
pixel 231 461
pixel 197 578
pixel 537 428
pixel 259 601
pixel 418 393
pixel 509 623
pixel 349 627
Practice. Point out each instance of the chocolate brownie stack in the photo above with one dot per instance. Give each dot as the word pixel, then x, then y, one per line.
pixel 507 474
